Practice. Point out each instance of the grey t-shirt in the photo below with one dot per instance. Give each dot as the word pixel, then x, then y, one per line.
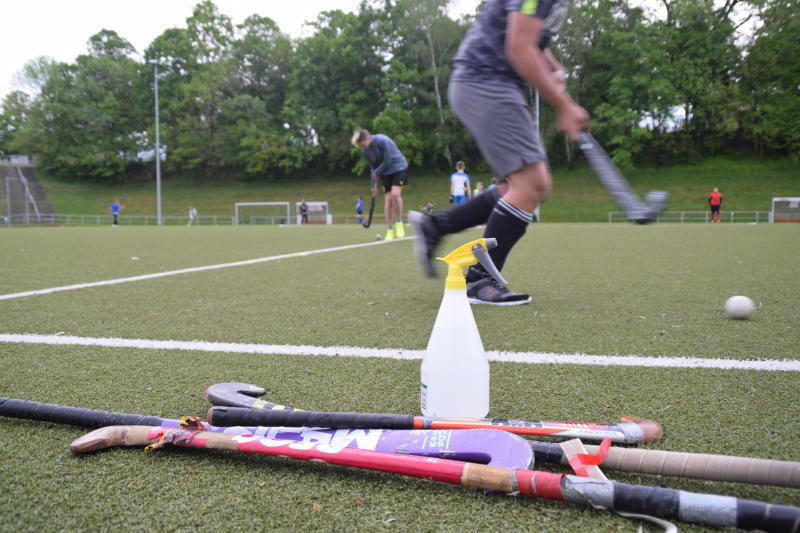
pixel 384 156
pixel 482 54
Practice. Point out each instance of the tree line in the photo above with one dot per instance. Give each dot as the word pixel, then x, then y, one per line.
pixel 249 102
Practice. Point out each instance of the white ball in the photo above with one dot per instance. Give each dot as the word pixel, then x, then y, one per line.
pixel 739 307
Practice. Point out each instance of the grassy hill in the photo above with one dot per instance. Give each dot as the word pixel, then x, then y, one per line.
pixel 748 184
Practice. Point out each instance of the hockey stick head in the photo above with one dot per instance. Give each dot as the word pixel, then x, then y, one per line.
pixel 651 429
pixel 619 188
pixel 109 436
pixel 241 395
pixel 656 202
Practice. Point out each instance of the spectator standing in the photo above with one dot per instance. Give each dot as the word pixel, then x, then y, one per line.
pixel 715 203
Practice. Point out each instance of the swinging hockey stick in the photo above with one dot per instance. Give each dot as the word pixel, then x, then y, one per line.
pixel 630 430
pixel 708 509
pixel 484 446
pixel 619 188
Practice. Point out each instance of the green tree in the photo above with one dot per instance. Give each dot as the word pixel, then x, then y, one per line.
pixel 83 122
pixel 425 42
pixel 771 78
pixel 13 115
pixel 699 40
pixel 335 84
pixel 618 71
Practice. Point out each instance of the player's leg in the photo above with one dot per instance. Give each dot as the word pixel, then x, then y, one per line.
pixel 388 207
pixel 509 220
pixel 497 116
pixel 388 211
pixel 397 201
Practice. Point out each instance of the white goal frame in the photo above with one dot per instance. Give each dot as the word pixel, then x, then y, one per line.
pixel 315 206
pixel 237 205
pixel 794 203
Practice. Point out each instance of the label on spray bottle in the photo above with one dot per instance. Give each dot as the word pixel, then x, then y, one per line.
pixel 423 396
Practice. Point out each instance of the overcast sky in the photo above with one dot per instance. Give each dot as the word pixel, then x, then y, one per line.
pixel 61 28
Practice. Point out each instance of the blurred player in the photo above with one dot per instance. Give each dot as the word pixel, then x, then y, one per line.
pixel 460 189
pixel 503 51
pixel 360 210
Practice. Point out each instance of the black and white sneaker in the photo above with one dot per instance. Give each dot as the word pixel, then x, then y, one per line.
pixel 426 240
pixel 489 291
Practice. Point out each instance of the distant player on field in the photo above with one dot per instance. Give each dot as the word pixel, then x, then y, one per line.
pixel 115 208
pixel 388 165
pixel 460 188
pixel 303 208
pixel 360 210
pixel 715 203
pixel 504 51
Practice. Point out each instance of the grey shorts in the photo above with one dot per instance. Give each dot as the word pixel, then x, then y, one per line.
pixel 498 116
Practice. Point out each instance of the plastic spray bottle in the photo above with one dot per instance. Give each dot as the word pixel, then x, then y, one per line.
pixel 454 378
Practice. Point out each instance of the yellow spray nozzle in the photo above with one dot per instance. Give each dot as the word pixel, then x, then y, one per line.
pixel 466 255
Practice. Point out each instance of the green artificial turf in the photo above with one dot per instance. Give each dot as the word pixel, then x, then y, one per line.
pixel 598 289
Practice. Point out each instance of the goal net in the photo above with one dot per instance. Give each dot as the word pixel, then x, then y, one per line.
pixel 785 210
pixel 262 213
pixel 317 213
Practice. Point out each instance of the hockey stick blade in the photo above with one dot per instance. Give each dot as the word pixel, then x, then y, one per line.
pixel 707 509
pixel 619 188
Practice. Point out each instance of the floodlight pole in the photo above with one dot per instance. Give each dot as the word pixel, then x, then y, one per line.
pixel 154 62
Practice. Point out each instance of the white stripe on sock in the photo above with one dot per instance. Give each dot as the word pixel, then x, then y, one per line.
pixel 515 211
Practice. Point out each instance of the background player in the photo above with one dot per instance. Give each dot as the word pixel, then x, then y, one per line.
pixel 388 165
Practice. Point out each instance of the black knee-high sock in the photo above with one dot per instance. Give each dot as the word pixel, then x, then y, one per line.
pixel 468 214
pixel 507 224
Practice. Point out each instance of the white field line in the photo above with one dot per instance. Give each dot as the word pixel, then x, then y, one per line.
pixel 533 358
pixel 141 277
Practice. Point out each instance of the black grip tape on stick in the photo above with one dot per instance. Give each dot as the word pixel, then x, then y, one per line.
pixel 74 416
pixel 241 416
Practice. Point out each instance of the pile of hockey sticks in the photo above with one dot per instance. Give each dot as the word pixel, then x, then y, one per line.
pixel 497 461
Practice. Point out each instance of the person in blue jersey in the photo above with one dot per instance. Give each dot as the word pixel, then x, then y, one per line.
pixel 389 166
pixel 360 210
pixel 503 52
pixel 460 189
pixel 115 208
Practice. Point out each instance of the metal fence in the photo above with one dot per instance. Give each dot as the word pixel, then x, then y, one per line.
pixel 700 217
pixel 152 220
pixel 107 220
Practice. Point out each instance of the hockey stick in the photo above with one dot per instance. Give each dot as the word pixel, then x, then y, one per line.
pixel 368 222
pixel 630 430
pixel 484 446
pixel 614 182
pixel 707 509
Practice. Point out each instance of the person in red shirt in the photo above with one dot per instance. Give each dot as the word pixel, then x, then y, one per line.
pixel 715 202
